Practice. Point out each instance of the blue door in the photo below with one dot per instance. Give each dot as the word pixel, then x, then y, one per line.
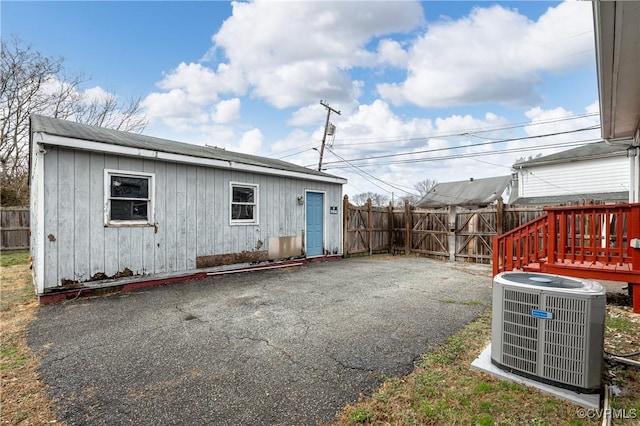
pixel 315 202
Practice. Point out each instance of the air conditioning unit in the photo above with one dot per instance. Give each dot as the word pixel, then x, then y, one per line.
pixel 549 328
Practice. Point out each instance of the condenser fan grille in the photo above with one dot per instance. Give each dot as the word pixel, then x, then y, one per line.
pixel 565 340
pixel 520 331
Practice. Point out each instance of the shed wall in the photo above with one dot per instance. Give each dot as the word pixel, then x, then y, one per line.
pixel 580 177
pixel 192 216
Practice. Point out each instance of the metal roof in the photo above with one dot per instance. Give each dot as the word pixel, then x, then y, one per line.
pixel 472 192
pixel 70 129
pixel 585 152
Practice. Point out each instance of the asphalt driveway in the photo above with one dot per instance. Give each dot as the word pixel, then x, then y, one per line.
pixel 276 347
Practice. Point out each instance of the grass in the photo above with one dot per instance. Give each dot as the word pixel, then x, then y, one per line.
pixel 14 258
pixel 22 400
pixel 443 390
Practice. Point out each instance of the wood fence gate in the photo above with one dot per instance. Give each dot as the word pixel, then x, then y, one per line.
pixel 430 232
pixel 450 233
pixel 474 234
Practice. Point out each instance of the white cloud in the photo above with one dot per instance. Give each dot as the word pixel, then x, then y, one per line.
pixel 96 94
pixel 251 141
pixel 493 55
pixel 289 54
pixel 552 121
pixel 293 53
pixel 226 111
pixel 391 52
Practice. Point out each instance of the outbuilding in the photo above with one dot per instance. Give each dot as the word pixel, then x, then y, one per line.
pixel 114 209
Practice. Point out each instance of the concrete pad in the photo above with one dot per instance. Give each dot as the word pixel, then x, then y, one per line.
pixel 483 363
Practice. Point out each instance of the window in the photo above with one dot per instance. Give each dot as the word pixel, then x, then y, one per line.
pixel 128 198
pixel 244 203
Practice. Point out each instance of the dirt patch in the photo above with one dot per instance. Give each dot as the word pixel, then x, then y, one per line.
pixel 618 299
pixel 23 399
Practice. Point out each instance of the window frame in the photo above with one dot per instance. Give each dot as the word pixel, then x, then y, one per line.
pixel 255 204
pixel 108 222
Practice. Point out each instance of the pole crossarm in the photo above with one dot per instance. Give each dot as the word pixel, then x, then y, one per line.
pixel 326 127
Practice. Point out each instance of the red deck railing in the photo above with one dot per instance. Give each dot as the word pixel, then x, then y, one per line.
pixel 583 241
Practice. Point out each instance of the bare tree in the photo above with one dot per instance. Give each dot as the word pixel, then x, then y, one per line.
pixel 31 83
pixel 422 188
pixel 378 200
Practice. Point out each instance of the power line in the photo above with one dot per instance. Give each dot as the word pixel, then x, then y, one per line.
pixel 464 132
pixel 369 174
pixel 474 154
pixel 471 146
pixel 472 132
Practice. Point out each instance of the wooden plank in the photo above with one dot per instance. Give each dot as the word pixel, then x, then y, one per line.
pixel 96 216
pixel 50 218
pixel 216 212
pixel 201 237
pixel 111 262
pixel 136 242
pixel 171 218
pixel 191 216
pixel 346 211
pixel 82 213
pixel 161 218
pixel 181 217
pixel 407 226
pixel 149 233
pixel 66 224
pixel 124 233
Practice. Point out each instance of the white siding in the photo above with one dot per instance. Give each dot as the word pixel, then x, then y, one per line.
pixel 580 177
pixel 192 215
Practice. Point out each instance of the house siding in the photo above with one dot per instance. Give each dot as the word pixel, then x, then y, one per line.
pixel 192 216
pixel 580 177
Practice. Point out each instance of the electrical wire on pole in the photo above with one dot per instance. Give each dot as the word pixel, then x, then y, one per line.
pixel 326 128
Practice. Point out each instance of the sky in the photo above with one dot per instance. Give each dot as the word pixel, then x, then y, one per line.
pixel 444 91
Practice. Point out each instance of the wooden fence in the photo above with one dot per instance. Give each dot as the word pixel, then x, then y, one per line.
pixel 14 228
pixel 452 233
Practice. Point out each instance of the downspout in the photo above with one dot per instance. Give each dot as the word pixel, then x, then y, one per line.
pixel 634 163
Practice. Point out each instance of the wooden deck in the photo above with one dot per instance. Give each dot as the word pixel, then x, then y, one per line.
pixel 592 242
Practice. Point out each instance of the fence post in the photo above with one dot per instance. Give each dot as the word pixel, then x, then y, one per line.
pixel 499 216
pixel 553 237
pixel 345 226
pixel 407 228
pixel 390 225
pixel 370 225
pixel 451 236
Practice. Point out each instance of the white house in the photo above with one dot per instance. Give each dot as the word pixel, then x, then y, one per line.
pixel 596 171
pixel 110 207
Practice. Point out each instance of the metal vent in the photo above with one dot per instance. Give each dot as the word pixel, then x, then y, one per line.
pixel 565 340
pixel 520 331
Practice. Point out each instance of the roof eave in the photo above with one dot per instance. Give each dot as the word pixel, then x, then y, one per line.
pixel 90 145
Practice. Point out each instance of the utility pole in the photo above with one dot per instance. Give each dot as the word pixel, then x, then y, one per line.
pixel 326 127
